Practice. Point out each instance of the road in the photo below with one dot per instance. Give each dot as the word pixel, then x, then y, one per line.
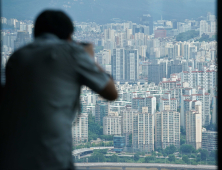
pixel 145 165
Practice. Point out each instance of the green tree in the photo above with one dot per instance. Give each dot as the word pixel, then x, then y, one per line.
pixel 173 149
pixel 182 130
pixel 159 154
pixel 213 155
pixel 187 148
pixel 136 157
pixel 204 154
pixel 95 130
pixel 102 151
pixel 170 149
pixel 109 143
pixel 164 154
pixel 198 159
pixel 187 35
pixel 172 158
pixel 130 140
pixel 107 137
pixel 185 159
pixel 182 141
pixel 97 157
pixel 153 153
pixel 193 156
pixel 114 158
pixel 148 159
pixel 206 38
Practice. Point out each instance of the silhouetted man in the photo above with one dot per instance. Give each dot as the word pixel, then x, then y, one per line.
pixel 43 81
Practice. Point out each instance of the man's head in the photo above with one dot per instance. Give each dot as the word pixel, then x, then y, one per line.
pixel 54 22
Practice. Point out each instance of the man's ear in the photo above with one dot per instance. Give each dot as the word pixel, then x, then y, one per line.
pixel 70 38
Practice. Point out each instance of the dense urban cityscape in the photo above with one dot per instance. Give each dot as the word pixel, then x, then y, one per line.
pixel 166 75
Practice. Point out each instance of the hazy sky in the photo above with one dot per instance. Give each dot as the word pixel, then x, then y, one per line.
pixel 102 11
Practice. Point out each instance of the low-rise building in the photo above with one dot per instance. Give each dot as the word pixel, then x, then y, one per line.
pixel 209 140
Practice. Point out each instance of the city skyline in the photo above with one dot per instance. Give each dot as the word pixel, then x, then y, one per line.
pixel 159 76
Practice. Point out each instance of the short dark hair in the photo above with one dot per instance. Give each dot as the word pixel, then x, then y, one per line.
pixel 55 22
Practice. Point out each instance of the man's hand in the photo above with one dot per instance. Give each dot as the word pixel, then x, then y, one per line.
pixel 109 92
pixel 89 48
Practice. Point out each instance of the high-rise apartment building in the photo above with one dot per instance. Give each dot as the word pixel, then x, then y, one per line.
pixel 188 104
pixel 131 64
pixel 214 114
pixel 101 110
pixel 167 102
pixel 129 33
pixel 127 120
pixel 186 51
pixel 205 79
pixel 109 34
pixel 80 129
pixel 143 131
pixel 150 102
pixel 154 73
pixel 167 129
pixel 118 64
pixel 203 27
pixel 148 21
pixel 176 50
pixel 171 51
pixel 138 103
pixel 112 124
pixel 194 127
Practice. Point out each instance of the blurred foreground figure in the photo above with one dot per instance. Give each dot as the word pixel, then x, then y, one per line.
pixel 43 81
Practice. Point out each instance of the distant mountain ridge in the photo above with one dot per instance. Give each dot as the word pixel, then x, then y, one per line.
pixel 102 11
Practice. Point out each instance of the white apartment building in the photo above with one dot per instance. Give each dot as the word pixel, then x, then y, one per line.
pixel 119 40
pixel 129 33
pixel 127 120
pixel 109 34
pixel 150 102
pixel 3 20
pixel 138 103
pixel 143 131
pixel 118 64
pixel 166 101
pixel 194 128
pixel 80 129
pixel 112 124
pixel 213 26
pixel 214 114
pixel 170 83
pixel 104 57
pixel 204 28
pixel 186 51
pixel 206 79
pixel 167 129
pixel 188 103
pixel 170 51
pixel 176 50
pixel 131 64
